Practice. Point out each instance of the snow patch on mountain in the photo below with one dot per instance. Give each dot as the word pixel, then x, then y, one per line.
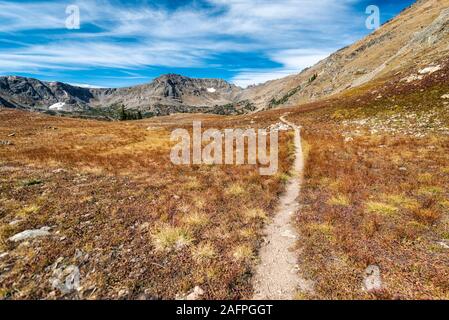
pixel 57 106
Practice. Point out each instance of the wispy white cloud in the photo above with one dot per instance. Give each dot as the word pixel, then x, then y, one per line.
pixel 293 61
pixel 189 36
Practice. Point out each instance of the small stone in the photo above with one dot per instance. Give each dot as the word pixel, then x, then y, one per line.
pixel 6 143
pixel 288 234
pixel 12 134
pixel 430 69
pixel 30 234
pixel 144 226
pixel 66 280
pixel 78 254
pixel 444 244
pixel 3 255
pixel 372 280
pixel 196 294
pixel 15 222
pixel 123 293
pixel 445 96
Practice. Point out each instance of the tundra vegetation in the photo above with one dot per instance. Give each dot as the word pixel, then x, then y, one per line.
pixel 134 224
pixel 375 190
pixel 113 207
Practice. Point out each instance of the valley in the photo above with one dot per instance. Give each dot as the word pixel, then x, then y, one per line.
pixel 358 208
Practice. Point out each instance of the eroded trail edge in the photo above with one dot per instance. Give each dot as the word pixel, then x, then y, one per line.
pixel 276 276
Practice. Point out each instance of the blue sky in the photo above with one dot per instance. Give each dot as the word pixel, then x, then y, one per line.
pixel 123 43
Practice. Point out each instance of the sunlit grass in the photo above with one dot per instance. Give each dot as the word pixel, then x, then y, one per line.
pixel 169 238
pixel 339 200
pixel 381 208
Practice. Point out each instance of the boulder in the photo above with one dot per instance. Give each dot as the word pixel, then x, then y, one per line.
pixel 66 279
pixel 372 280
pixel 30 234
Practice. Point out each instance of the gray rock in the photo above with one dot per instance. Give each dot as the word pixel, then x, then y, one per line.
pixel 66 280
pixel 30 234
pixel 372 280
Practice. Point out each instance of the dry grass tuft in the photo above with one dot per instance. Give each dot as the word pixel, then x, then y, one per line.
pixel 26 211
pixel 255 214
pixel 169 238
pixel 195 220
pixel 402 201
pixel 427 215
pixel 339 200
pixel 235 190
pixel 243 253
pixel 204 252
pixel 381 208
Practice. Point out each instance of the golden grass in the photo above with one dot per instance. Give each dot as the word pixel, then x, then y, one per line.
pixel 381 208
pixel 204 252
pixel 110 190
pixel 195 220
pixel 235 190
pixel 339 200
pixel 169 238
pixel 255 214
pixel 376 199
pixel 402 201
pixel 243 253
pixel 25 211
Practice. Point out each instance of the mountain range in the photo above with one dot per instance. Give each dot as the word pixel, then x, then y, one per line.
pixel 416 38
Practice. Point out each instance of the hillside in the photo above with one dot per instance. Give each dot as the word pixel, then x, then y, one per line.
pixel 419 36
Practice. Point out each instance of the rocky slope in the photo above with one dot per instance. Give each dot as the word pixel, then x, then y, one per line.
pixel 416 38
pixel 31 93
pixel 166 94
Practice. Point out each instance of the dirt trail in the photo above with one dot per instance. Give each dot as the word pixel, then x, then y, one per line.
pixel 276 275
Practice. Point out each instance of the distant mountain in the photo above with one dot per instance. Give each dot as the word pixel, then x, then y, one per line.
pixel 173 93
pixel 165 95
pixel 416 38
pixel 31 93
